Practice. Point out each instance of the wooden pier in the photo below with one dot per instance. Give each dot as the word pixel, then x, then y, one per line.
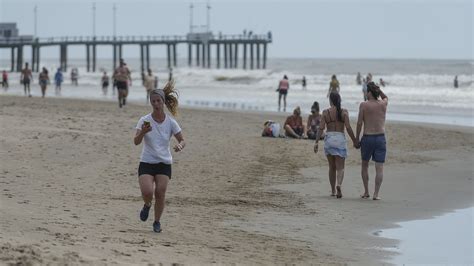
pixel 204 44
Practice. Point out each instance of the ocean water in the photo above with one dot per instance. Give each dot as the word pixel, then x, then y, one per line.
pixel 447 240
pixel 418 90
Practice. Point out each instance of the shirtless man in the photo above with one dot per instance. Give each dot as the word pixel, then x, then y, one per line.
pixel 373 144
pixel 26 78
pixel 122 77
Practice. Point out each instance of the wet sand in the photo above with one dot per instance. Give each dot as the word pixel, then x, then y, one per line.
pixel 69 190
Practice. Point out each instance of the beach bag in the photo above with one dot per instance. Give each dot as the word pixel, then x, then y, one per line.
pixel 271 129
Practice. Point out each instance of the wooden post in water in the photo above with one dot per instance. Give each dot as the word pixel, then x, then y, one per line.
pixel 264 55
pixel 225 55
pixel 174 55
pixel 208 55
pixel 245 56
pixel 236 64
pixel 37 58
pixel 19 59
pixel 114 65
pixel 258 55
pixel 142 58
pixel 12 60
pixel 168 46
pixel 231 55
pixel 94 57
pixel 203 55
pixel 147 57
pixel 88 57
pixel 251 56
pixel 33 57
pixel 190 54
pixel 218 55
pixel 65 58
pixel 198 51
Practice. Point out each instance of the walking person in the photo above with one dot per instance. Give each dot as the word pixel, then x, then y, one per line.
pixel 334 120
pixel 43 81
pixel 155 130
pixel 122 77
pixel 5 80
pixel 283 87
pixel 333 85
pixel 149 83
pixel 58 80
pixel 373 143
pixel 359 79
pixel 456 83
pixel 25 78
pixel 303 82
pixel 105 83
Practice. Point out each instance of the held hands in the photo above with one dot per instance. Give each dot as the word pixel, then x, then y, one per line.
pixel 357 144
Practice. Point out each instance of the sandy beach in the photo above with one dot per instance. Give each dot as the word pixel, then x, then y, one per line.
pixel 69 190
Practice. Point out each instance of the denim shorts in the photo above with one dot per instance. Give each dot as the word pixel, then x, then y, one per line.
pixel 373 146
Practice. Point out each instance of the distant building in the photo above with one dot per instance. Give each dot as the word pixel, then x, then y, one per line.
pixel 9 31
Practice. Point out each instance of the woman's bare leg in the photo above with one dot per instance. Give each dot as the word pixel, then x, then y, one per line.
pixel 161 182
pixel 332 174
pixel 146 183
pixel 339 174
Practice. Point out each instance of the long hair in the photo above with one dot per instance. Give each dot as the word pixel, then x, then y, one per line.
pixel 336 101
pixel 171 97
pixel 315 106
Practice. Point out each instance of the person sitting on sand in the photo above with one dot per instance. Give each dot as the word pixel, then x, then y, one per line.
pixel 156 130
pixel 373 143
pixel 294 125
pixel 335 119
pixel 314 119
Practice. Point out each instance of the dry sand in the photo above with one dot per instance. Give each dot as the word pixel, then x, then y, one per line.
pixel 69 191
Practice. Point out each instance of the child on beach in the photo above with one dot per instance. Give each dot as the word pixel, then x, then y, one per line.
pixel 155 130
pixel 105 83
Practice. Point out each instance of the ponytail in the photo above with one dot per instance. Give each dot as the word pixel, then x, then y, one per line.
pixel 336 101
pixel 171 97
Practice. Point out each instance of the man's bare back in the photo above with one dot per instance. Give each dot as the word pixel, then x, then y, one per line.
pixel 372 114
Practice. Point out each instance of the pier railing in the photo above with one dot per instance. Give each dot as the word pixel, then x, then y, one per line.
pixel 133 39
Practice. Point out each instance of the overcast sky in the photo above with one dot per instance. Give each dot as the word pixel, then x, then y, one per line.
pixel 307 29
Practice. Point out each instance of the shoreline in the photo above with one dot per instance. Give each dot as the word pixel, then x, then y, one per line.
pixel 235 196
pixel 408 117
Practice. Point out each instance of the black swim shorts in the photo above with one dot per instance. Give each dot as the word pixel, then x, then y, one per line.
pixel 154 169
pixel 122 85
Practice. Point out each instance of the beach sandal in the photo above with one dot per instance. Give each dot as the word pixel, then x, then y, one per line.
pixel 157 227
pixel 376 198
pixel 339 192
pixel 144 212
pixel 365 196
pixel 333 195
